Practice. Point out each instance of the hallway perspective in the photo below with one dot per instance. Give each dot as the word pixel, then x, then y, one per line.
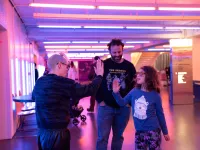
pixel 183 123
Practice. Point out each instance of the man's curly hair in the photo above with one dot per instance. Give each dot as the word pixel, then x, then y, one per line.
pixel 115 42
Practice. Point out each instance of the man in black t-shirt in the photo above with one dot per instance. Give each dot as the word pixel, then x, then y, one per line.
pixel 110 114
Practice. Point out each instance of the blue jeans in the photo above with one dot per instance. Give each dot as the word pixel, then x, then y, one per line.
pixel 108 117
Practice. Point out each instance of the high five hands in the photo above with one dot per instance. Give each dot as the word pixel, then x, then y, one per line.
pixel 167 138
pixel 99 69
pixel 115 86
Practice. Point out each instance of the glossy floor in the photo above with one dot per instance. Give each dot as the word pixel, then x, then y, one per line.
pixel 183 122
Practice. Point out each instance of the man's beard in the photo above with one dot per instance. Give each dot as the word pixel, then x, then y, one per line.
pixel 116 58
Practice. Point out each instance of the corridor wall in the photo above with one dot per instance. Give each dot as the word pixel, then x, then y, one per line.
pixel 17 67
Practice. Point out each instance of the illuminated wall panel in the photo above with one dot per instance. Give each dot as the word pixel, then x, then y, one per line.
pixel 17 75
pixel 23 77
pixel 181 72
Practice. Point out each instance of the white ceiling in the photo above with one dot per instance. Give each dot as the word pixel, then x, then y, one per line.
pixel 156 37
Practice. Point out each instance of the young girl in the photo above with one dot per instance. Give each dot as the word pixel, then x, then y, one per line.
pixel 146 108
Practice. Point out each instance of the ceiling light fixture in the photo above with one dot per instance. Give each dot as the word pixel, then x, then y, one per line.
pixel 58 50
pixel 104 42
pixel 77 58
pixel 158 49
pixel 75 46
pixel 115 27
pixel 95 49
pixel 71 50
pixel 84 42
pixel 144 27
pixel 80 47
pixel 99 47
pixel 100 54
pixel 128 46
pixel 62 6
pixel 52 26
pixel 64 42
pixel 114 17
pixel 179 8
pixel 71 54
pixel 125 8
pixel 56 46
pixel 182 28
pixel 137 42
pixel 75 50
pixel 104 27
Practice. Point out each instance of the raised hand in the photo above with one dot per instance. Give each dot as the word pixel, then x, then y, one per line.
pixel 99 69
pixel 115 85
pixel 167 138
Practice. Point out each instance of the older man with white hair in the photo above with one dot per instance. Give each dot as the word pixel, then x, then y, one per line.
pixel 52 94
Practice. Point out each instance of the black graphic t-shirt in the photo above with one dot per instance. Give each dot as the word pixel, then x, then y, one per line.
pixel 123 72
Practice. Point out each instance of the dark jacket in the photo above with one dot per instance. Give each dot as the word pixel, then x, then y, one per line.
pixel 52 95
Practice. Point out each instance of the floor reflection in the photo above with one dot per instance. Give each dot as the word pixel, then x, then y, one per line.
pixel 183 122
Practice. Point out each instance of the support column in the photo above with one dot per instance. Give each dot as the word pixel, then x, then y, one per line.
pixel 196 68
pixel 181 71
pixel 6 125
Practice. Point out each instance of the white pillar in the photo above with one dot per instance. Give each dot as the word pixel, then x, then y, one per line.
pixel 6 121
pixel 181 71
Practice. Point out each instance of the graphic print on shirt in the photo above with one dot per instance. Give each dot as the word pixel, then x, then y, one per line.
pixel 141 105
pixel 116 74
pixel 122 80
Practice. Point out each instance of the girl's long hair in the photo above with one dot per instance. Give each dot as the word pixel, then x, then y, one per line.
pixel 151 79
